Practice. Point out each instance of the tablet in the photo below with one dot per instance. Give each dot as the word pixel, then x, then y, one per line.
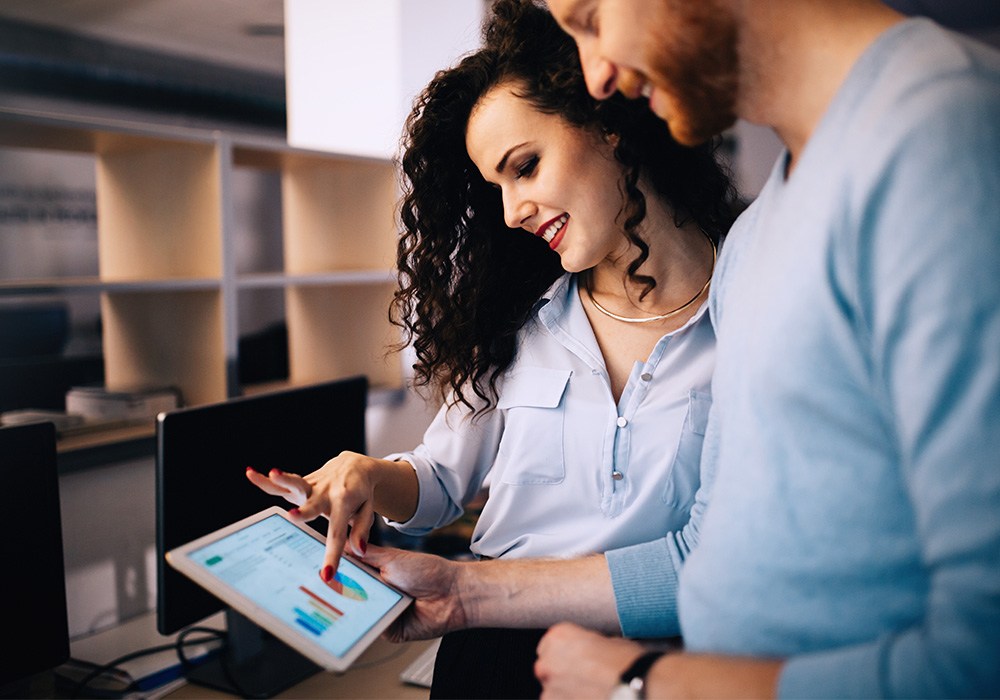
pixel 267 568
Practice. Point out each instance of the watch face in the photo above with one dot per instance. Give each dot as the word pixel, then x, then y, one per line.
pixel 623 691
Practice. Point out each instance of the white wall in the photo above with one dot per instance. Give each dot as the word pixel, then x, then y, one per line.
pixel 353 68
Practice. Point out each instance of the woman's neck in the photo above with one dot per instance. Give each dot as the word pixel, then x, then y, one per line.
pixel 681 260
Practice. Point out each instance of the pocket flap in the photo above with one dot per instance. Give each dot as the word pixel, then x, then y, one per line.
pixel 541 387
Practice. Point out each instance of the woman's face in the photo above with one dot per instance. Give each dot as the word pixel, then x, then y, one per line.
pixel 558 182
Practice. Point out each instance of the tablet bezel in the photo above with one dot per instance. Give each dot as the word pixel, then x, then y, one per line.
pixel 178 558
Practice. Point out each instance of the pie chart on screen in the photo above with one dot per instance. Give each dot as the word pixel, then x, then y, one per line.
pixel 348 587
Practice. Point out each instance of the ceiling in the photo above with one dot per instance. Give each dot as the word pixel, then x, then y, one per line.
pixel 248 34
pixel 238 33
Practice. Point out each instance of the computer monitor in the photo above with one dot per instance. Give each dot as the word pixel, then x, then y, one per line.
pixel 202 456
pixel 33 605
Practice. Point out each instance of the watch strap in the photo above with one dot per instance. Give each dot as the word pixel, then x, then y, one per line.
pixel 635 675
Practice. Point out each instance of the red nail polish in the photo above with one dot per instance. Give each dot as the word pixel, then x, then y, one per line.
pixel 326 574
pixel 275 472
pixel 249 469
pixel 364 547
pixel 294 512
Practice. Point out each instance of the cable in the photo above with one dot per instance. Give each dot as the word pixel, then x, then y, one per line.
pixel 223 660
pixel 180 643
pixel 83 684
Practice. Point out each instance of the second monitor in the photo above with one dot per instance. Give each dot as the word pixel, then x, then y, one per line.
pixel 202 456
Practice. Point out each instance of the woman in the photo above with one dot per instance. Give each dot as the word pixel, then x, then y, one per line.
pixel 573 353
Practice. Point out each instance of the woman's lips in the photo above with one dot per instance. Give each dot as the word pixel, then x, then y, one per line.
pixel 557 239
pixel 553 230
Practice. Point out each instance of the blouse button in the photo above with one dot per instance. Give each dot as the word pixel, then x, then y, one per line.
pixel 646 376
pixel 617 475
pixel 622 421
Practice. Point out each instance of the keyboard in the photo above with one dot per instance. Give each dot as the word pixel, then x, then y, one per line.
pixel 421 669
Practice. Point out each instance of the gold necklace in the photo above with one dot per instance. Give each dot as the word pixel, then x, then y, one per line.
pixel 668 314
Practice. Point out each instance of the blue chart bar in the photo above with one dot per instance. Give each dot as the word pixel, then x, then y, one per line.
pixel 308 622
pixel 316 615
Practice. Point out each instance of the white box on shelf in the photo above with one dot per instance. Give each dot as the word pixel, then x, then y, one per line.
pixel 99 404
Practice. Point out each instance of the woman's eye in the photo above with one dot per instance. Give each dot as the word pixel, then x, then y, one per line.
pixel 527 167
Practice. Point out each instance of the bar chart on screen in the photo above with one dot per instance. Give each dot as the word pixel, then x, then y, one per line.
pixel 315 614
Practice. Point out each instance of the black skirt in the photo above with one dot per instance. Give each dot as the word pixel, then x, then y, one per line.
pixel 487 663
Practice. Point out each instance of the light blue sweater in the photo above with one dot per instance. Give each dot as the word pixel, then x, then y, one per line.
pixel 854 527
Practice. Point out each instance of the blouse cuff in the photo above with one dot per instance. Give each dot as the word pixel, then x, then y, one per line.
pixel 431 498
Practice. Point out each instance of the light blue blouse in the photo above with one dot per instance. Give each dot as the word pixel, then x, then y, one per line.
pixel 569 471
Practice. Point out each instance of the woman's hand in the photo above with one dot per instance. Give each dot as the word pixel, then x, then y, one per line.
pixel 293 488
pixel 348 490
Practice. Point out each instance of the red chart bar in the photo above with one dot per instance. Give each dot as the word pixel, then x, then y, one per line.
pixel 320 601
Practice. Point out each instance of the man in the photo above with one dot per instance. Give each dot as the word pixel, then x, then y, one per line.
pixel 852 544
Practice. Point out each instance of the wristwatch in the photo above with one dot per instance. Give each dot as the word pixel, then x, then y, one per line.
pixel 633 680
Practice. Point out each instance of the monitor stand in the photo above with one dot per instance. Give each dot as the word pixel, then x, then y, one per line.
pixel 253 663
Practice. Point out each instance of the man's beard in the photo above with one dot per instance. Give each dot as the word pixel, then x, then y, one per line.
pixel 697 67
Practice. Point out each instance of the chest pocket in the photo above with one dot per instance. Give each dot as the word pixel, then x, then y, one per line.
pixel 531 448
pixel 685 474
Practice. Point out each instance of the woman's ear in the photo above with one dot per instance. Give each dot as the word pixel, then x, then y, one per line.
pixel 612 138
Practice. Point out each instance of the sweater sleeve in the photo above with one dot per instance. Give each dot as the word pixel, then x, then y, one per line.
pixel 930 289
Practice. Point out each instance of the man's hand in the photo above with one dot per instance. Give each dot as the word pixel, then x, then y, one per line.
pixel 574 662
pixel 433 583
pixel 520 593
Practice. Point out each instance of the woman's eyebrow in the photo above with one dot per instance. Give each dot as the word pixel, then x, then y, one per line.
pixel 503 161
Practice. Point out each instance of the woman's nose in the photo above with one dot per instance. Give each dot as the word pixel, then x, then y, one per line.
pixel 517 212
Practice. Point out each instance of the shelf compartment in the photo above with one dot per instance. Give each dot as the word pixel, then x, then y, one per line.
pixel 338 215
pixel 339 331
pixel 165 339
pixel 159 209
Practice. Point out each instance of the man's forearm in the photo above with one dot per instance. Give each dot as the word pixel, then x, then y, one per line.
pixel 539 593
pixel 707 676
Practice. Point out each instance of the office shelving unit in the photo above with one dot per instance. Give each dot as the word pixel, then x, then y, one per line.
pixel 168 281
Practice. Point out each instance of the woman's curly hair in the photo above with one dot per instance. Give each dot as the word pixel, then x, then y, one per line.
pixel 468 283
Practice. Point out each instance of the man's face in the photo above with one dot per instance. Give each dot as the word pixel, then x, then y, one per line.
pixel 681 54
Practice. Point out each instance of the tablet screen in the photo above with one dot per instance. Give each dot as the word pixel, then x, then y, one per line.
pixel 276 565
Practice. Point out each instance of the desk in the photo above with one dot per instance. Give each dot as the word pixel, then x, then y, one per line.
pixel 374 675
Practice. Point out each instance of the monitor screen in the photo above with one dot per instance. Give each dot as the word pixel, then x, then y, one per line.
pixel 202 456
pixel 33 605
